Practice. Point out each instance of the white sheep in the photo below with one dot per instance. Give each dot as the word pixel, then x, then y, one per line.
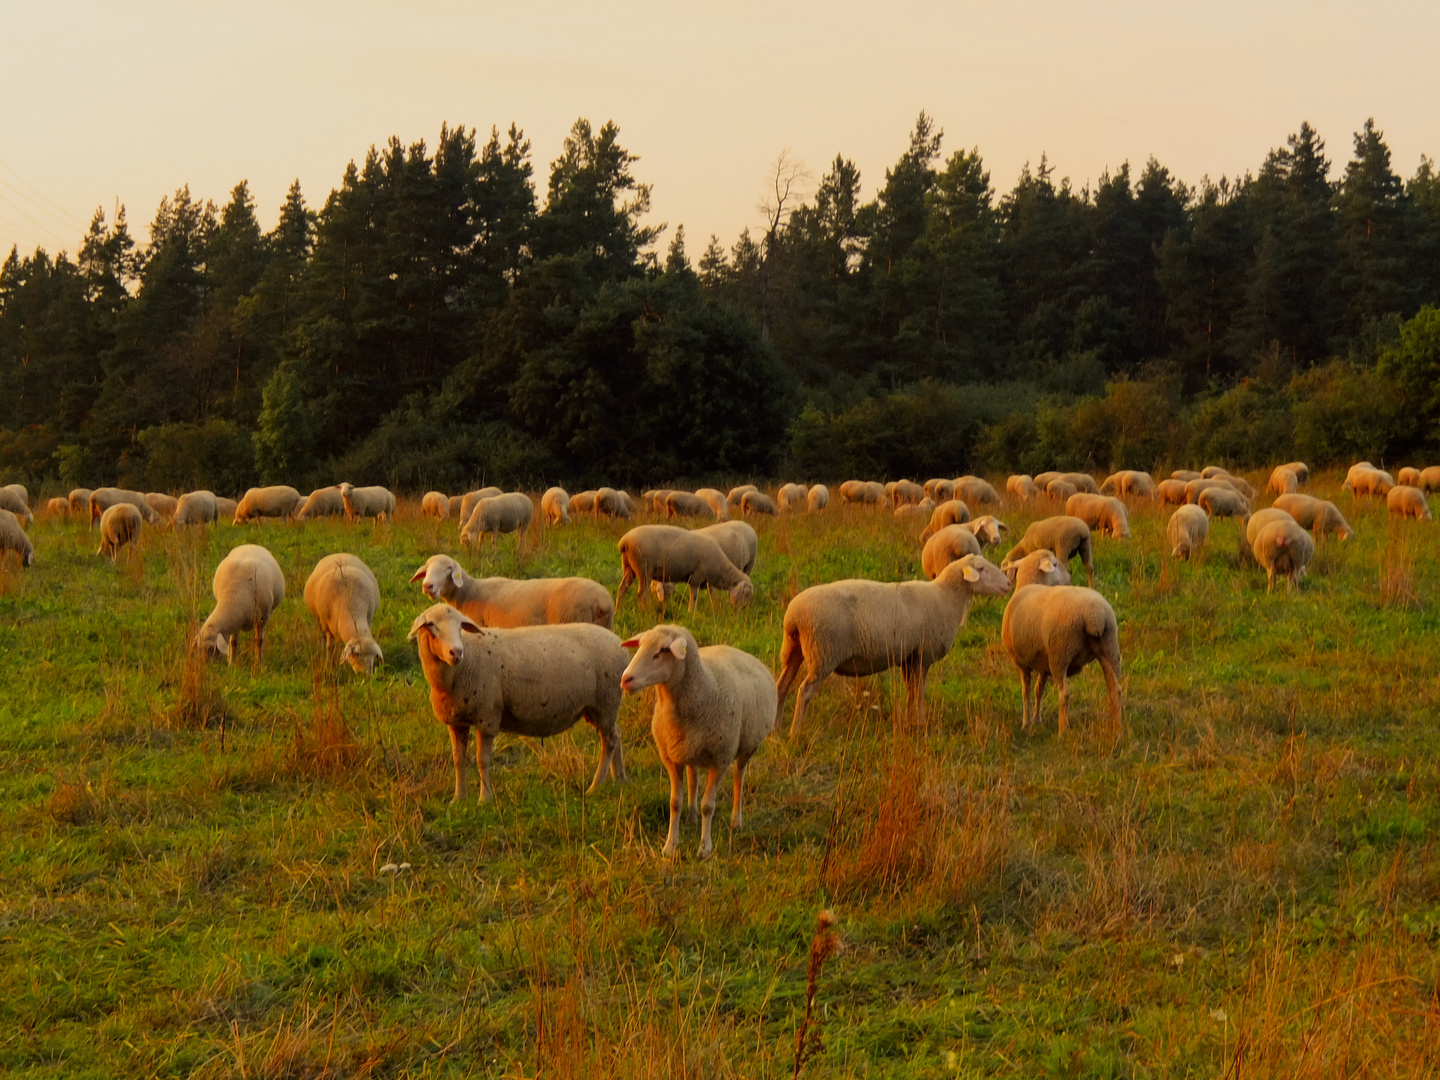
pixel 20 491
pixel 976 493
pixel 197 508
pixel 904 492
pixel 1104 514
pixel 817 499
pixel 1185 475
pixel 1022 486
pixel 555 506
pixel 322 503
pixel 57 506
pixel 671 555
pixel 792 496
pixel 1064 535
pixel 1186 530
pixel 1319 515
pixel 508 603
pixel 119 526
pixel 716 501
pixel 80 499
pixel 276 501
pixel 470 498
pixel 435 504
pixel 13 538
pixel 535 681
pixel 343 595
pixel 945 546
pixel 732 500
pixel 1429 478
pixel 713 708
pixel 583 502
pixel 16 504
pixel 248 587
pixel 1060 489
pixel 865 492
pixel 1283 481
pixel 1054 632
pixel 162 504
pixel 940 489
pixel 1171 492
pixel 614 504
pixel 367 502
pixel 1366 481
pixel 757 502
pixel 860 627
pixel 1221 502
pixel 685 504
pixel 225 508
pixel 495 515
pixel 1040 568
pixel 737 539
pixel 1081 482
pixel 1283 548
pixel 101 499
pixel 1404 501
pixel 953 512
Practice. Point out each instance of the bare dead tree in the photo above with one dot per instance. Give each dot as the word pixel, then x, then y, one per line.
pixel 788 181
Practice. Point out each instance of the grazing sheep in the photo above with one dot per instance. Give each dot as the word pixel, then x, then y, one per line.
pixel 456 501
pixel 1054 632
pixel 819 498
pixel 672 555
pixel 716 501
pixel 860 627
pixel 1130 483
pixel 1185 475
pixel 684 504
pixel 1040 568
pixel 80 499
pixel 1300 469
pixel 738 540
pixel 1104 514
pixel 495 515
pixel 197 508
pixel 1404 501
pixel 940 489
pixel 13 538
pixel 278 501
pixel 1172 492
pixel 976 493
pixel 555 506
pixel 225 508
pixel 1259 520
pixel 757 502
pixel 323 502
pixel 923 509
pixel 101 499
pixel 584 502
pixel 1409 476
pixel 714 707
pixel 1319 515
pixel 1082 482
pixel 1065 536
pixel 367 502
pixel 792 496
pixel 946 546
pixel 1186 530
pixel 1355 470
pixel 1022 487
pixel 58 505
pixel 949 513
pixel 470 498
pixel 1042 480
pixel 1194 488
pixel 508 603
pixel 902 492
pixel 654 500
pixel 1284 548
pixel 1060 490
pixel 119 526
pixel 343 595
pixel 1429 478
pixel 248 587
pixel 987 529
pixel 613 504
pixel 732 500
pixel 865 492
pixel 435 504
pixel 162 504
pixel 1221 502
pixel 1363 482
pixel 1240 484
pixel 1211 471
pixel 1282 481
pixel 20 492
pixel 533 680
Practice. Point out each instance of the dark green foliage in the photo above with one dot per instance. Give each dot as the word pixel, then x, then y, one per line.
pixel 215 455
pixel 924 430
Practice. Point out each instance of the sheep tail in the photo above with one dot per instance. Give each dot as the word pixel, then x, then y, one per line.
pixel 1095 623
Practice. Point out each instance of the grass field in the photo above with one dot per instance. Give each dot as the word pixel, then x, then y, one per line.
pixel 256 871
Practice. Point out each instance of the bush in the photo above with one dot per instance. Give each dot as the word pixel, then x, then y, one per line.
pixel 1345 414
pixel 925 430
pixel 28 455
pixel 216 454
pixel 1248 425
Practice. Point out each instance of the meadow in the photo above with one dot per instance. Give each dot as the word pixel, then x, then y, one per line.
pixel 256 871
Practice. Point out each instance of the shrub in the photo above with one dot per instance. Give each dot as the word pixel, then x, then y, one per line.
pixel 924 430
pixel 1345 414
pixel 1248 425
pixel 216 454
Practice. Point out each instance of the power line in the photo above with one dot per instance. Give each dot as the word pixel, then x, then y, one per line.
pixel 44 229
pixel 20 233
pixel 34 205
pixel 73 221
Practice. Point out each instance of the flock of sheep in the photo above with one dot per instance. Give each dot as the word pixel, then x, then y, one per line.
pixel 533 657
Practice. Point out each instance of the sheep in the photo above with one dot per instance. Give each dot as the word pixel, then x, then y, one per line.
pixel 1194 488
pixel 197 508
pixel 162 504
pixel 1259 520
pixel 13 538
pixel 1082 482
pixel 367 502
pixel 507 603
pixel 453 510
pixel 1282 481
pixel 976 493
pixel 613 504
pixel 1171 492
pixel 495 515
pixel 987 529
pixel 16 505
pixel 716 501
pixel 714 707
pixel 1059 490
pixel 1131 483
pixel 940 489
pixel 757 502
pixel 248 586
pixel 1211 471
pixel 1283 547
pixel 860 627
pixel 20 492
pixel 1240 484
pixel 584 502
pixel 1408 476
pixel 1186 530
pixel 1185 475
pixel 279 501
pixel 1221 502
pixel 671 555
pixel 435 504
pixel 343 595
pixel 947 545
pixel 80 499
pixel 555 506
pixel 654 500
pixel 225 508
pixel 1300 469
pixel 684 504
pixel 1065 536
pixel 1104 514
pixel 470 498
pixel 1429 478
pixel 1022 487
pixel 1404 501
pixel 1040 568
pixel 791 496
pixel 531 680
pixel 732 500
pixel 1042 480
pixel 738 540
pixel 905 491
pixel 1355 470
pixel 1054 632
pixel 1363 482
pixel 101 499
pixel 953 512
pixel 865 492
pixel 1319 515
pixel 923 509
pixel 819 498
pixel 119 526
pixel 57 506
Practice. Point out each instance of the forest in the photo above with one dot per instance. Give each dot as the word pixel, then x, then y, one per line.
pixel 439 321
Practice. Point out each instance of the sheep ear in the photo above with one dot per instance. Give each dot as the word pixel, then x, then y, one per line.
pixel 678 648
pixel 971 574
pixel 420 573
pixel 633 643
pixel 1047 566
pixel 416 626
pixel 469 625
pixel 1001 525
pixel 455 576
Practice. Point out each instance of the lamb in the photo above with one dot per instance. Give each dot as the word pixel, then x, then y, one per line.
pixel 671 555
pixel 905 491
pixel 792 496
pixel 470 498
pixel 1259 520
pixel 197 508
pixel 716 501
pixel 757 502
pixel 1022 487
pixel 1222 502
pixel 343 595
pixel 13 538
pixel 613 504
pixel 1065 536
pixel 495 515
pixel 1429 478
pixel 1186 530
pixel 80 499
pixel 1283 547
pixel 940 489
pixel 1171 492
pixel 714 707
pixel 1282 481
pixel 945 547
pixel 1404 501
pixel 16 505
pixel 1368 481
pixel 1082 481
pixel 1103 513
pixel 507 603
pixel 1319 515
pixel 584 502
pixel 1040 568
pixel 278 501
pixel 976 493
pixel 684 504
pixel 101 499
pixel 1060 490
pixel 1054 632
pixel 1185 475
pixel 737 493
pixel 555 506
pixel 435 504
pixel 119 526
pixel 860 627
pixel 248 587
pixel 367 502
pixel 533 680
pixel 949 513
pixel 162 504
pixel 865 492
pixel 819 498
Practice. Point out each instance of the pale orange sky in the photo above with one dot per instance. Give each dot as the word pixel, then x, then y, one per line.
pixel 102 101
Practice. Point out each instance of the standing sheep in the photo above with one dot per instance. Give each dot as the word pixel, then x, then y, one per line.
pixel 57 506
pixel 101 499
pixel 714 707
pixel 945 547
pixel 225 508
pixel 1042 480
pixel 920 511
pixel 80 499
pixel 860 627
pixel 1319 515
pixel 904 492
pixel 1065 536
pixel 1060 489
pixel 13 502
pixel 1409 476
pixel 20 491
pixel 654 500
pixel 1104 514
pixel 1259 520
pixel 1023 487
pixel 1082 481
pixel 1221 502
pixel 278 501
pixel 323 502
pixel 1172 492
pixel 535 681
pixel 732 500
pixel 1429 478
pixel 1054 632
pixel 453 510
pixel 343 595
pixel 435 504
pixel 738 540
pixel 672 555
pixel 1186 530
pixel 1300 469
pixel 819 498
pixel 162 504
pixel 495 515
pixel 248 587
pixel 1284 548
pixel 1040 568
pixel 792 496
pixel 865 492
pixel 613 504
pixel 716 501
pixel 13 538
pixel 1185 475
pixel 757 502
pixel 555 506
pixel 684 504
pixel 1404 501
pixel 507 603
pixel 196 508
pixel 470 498
pixel 976 493
pixel 367 502
pixel 953 512
pixel 1364 482
pixel 584 502
pixel 119 526
pixel 1282 481
pixel 1130 484
pixel 940 489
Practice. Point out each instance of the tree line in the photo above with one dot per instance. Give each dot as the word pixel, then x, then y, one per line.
pixel 438 322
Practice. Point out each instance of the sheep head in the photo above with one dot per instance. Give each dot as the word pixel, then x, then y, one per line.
pixel 659 657
pixel 442 626
pixel 439 576
pixel 363 654
pixel 976 575
pixel 742 592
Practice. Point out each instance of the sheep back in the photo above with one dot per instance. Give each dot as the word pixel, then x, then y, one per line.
pixel 1186 530
pixel 248 585
pixel 555 506
pixel 945 546
pixel 1404 501
pixel 343 595
pixel 13 538
pixel 276 501
pixel 196 508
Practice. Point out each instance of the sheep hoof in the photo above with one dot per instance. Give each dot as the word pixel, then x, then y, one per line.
pixel 706 852
pixel 670 851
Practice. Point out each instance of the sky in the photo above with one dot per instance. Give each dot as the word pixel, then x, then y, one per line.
pixel 104 102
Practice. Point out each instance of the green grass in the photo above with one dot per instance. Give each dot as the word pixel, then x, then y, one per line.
pixel 1243 881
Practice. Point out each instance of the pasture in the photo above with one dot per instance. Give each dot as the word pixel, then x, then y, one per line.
pixel 256 870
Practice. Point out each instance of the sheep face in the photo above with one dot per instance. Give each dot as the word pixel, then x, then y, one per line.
pixel 742 593
pixel 987 530
pixel 977 575
pixel 214 646
pixel 443 625
pixel 660 656
pixel 362 655
pixel 439 576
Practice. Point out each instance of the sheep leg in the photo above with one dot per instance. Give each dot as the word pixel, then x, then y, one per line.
pixel 672 840
pixel 459 737
pixel 484 750
pixel 1041 678
pixel 1024 696
pixel 1062 684
pixel 692 806
pixel 737 817
pixel 626 577
pixel 808 689
pixel 914 675
pixel 707 813
pixel 791 658
pixel 1112 681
